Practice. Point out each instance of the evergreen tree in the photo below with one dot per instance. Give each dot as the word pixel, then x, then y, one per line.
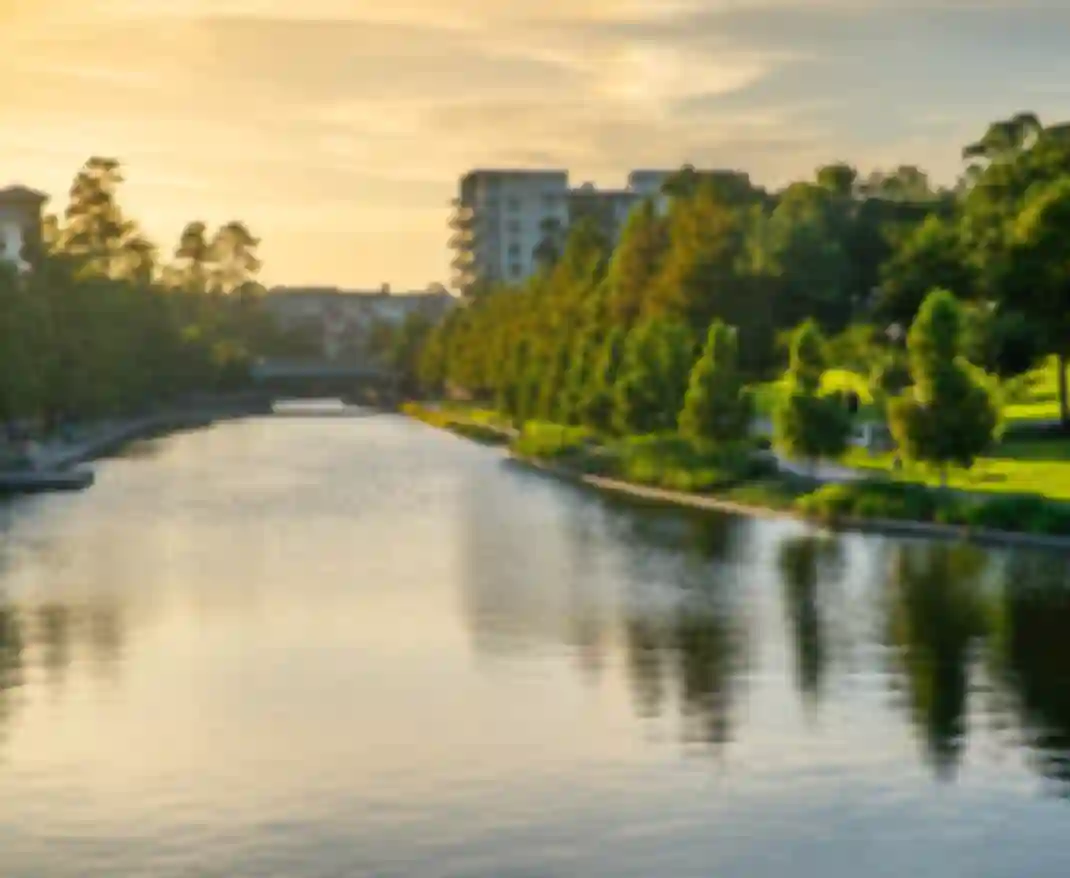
pixel 717 406
pixel 596 405
pixel 949 417
pixel 805 423
pixel 649 390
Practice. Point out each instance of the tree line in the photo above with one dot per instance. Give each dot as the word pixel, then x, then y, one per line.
pixel 101 323
pixel 606 333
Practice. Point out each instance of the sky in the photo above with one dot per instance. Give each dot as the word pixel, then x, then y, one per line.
pixel 338 129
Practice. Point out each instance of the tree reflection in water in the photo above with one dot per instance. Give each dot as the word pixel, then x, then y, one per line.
pixel 1032 647
pixel 11 644
pixel 691 651
pixel 935 616
pixel 809 565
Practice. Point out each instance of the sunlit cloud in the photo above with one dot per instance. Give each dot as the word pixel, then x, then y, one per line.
pixel 360 115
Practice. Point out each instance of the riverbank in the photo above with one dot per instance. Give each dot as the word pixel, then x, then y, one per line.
pixel 860 503
pixel 55 460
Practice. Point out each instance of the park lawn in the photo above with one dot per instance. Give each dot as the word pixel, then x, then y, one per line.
pixel 1039 467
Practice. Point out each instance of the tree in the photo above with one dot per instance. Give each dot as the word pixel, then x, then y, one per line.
pixel 233 252
pixel 930 257
pixel 596 405
pixel 95 228
pixel 193 257
pixel 636 262
pixel 1038 280
pixel 657 359
pixel 805 423
pixel 801 244
pixel 717 406
pixel 949 417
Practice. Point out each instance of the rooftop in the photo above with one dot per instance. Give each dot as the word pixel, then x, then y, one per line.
pixel 17 191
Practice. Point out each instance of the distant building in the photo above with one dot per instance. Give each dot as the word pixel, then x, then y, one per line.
pixel 502 218
pixel 344 320
pixel 20 222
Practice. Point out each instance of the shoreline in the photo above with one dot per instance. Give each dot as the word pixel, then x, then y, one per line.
pixel 108 436
pixel 712 503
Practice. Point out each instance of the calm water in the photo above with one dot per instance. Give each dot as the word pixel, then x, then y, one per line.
pixel 329 647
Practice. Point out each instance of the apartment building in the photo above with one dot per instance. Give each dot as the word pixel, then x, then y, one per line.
pixel 20 221
pixel 501 217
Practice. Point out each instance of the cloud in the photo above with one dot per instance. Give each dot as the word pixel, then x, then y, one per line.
pixel 361 115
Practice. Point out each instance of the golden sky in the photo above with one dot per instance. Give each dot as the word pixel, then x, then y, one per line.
pixel 337 129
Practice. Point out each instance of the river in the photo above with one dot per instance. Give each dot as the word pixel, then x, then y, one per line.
pixel 327 647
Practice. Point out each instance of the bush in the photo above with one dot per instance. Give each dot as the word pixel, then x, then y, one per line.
pixel 552 441
pixel 906 502
pixel 1030 514
pixel 876 499
pixel 668 460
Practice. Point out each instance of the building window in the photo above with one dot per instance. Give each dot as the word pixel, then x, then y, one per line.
pixel 513 203
pixel 514 227
pixel 514 249
pixel 515 269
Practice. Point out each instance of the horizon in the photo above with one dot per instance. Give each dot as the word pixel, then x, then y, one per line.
pixel 338 132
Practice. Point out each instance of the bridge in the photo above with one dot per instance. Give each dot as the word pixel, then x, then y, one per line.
pixel 360 383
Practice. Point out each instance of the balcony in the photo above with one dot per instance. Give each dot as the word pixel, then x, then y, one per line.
pixel 464 259
pixel 462 239
pixel 463 216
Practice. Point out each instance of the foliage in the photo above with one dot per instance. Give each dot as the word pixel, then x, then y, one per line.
pixel 655 365
pixel 805 423
pixel 717 406
pixel 949 417
pixel 99 325
pixel 899 501
pixel 548 441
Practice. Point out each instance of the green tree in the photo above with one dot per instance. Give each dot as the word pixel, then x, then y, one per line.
pixel 1039 274
pixel 717 406
pixel 805 423
pixel 596 406
pixel 948 417
pixel 636 262
pixel 233 252
pixel 650 386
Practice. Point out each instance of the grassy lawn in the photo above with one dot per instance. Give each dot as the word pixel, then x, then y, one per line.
pixel 1034 466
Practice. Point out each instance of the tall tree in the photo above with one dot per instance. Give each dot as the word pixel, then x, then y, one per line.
pixel 807 424
pixel 717 407
pixel 1039 274
pixel 948 417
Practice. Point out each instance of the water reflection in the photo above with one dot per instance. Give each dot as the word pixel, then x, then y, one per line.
pixel 10 664
pixel 809 567
pixel 935 616
pixel 1032 642
pixel 414 661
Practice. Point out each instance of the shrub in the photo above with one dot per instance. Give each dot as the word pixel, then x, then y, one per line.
pixel 551 441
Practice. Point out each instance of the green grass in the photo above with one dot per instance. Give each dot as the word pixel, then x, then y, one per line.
pixel 1038 466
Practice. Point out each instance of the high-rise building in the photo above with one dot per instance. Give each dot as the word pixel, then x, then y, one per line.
pixel 20 222
pixel 502 219
pixel 499 219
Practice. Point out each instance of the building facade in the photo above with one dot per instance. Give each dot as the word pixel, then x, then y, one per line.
pixel 502 219
pixel 20 222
